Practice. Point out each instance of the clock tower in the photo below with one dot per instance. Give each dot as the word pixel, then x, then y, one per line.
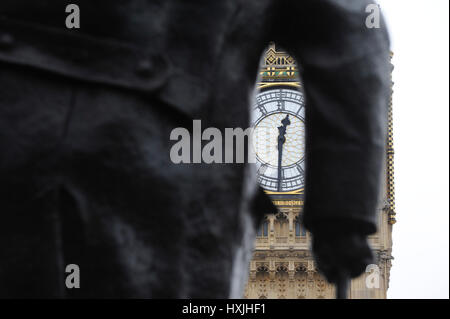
pixel 282 265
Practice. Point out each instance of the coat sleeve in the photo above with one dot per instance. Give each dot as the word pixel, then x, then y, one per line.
pixel 345 69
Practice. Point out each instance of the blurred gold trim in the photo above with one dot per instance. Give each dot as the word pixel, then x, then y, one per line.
pixel 298 191
pixel 262 85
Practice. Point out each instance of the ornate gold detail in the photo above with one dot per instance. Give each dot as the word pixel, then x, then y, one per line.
pixel 278 67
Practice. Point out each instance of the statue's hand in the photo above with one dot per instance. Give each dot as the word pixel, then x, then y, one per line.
pixel 341 254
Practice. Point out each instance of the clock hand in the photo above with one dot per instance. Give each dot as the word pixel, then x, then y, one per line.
pixel 281 140
pixel 280 155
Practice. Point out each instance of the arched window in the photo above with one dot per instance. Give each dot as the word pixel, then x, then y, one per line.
pixel 263 230
pixel 300 230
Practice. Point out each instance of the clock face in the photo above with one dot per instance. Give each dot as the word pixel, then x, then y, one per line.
pixel 278 119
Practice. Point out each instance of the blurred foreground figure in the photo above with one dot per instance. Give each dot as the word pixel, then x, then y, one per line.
pixel 85 120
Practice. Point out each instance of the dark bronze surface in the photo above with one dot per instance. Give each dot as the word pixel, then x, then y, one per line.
pixel 85 120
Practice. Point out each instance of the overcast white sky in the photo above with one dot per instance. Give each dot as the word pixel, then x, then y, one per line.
pixel 419 35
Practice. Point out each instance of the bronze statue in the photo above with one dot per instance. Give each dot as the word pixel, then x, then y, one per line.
pixel 85 119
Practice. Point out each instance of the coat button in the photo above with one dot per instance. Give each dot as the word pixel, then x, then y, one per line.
pixel 145 68
pixel 6 40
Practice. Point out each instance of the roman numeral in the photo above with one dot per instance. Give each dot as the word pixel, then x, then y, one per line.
pixel 261 108
pixel 262 169
pixel 281 105
pixel 300 169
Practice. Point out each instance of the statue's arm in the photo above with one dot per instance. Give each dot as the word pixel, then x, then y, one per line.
pixel 345 70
